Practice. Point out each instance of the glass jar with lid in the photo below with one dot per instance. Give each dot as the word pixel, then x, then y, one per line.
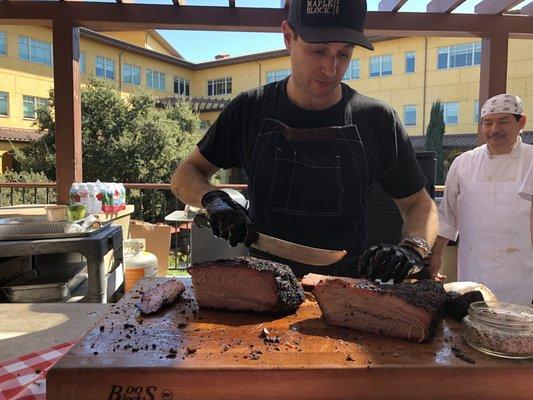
pixel 500 329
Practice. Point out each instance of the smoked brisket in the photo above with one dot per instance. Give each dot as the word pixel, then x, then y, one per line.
pixel 246 284
pixel 406 310
pixel 152 300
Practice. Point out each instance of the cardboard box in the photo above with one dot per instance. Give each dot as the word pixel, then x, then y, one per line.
pixel 157 241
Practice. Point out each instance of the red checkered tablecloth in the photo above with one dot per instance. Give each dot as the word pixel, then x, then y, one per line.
pixel 24 378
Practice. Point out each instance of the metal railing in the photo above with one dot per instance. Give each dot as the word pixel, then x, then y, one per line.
pixel 152 201
pixel 143 195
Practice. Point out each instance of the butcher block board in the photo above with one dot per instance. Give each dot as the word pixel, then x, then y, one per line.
pixel 185 353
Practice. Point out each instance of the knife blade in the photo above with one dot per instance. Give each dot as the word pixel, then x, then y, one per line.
pixel 288 250
pixel 297 252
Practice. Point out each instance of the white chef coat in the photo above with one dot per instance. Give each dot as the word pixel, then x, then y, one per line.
pixel 482 202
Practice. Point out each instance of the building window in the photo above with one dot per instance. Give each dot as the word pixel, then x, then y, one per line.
pixel 451 113
pixel 409 115
pixel 381 65
pixel 278 75
pixel 459 55
pixel 35 50
pixel 182 86
pixel 30 105
pixel 4 103
pixel 476 111
pixel 3 44
pixel 131 74
pixel 155 79
pixel 352 72
pixel 410 62
pixel 219 86
pixel 105 67
pixel 83 63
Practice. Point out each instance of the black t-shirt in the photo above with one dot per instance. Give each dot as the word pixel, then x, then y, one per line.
pixel 390 157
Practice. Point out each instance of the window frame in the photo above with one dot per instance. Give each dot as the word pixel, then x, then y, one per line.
pixel 407 54
pixel 33 44
pixel 155 76
pixel 3 49
pixel 37 101
pixel 380 60
pixel 414 108
pixel 454 51
pixel 131 67
pixel 349 75
pixel 445 109
pixel 7 103
pixel 179 80
pixel 106 63
pixel 83 62
pixel 477 111
pixel 276 75
pixel 216 83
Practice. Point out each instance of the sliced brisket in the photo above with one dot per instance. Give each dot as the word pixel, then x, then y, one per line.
pixel 155 298
pixel 406 310
pixel 309 281
pixel 246 284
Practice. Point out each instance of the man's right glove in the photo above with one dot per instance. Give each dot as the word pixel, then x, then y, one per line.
pixel 227 218
pixel 389 261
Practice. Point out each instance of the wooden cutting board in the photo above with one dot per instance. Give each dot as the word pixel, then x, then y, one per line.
pixel 186 353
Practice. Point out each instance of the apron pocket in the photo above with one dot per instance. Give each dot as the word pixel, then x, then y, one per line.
pixel 306 184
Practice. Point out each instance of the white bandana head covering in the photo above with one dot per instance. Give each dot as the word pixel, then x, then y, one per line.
pixel 503 103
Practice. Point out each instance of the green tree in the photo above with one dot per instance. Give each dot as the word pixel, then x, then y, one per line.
pixel 124 140
pixel 434 135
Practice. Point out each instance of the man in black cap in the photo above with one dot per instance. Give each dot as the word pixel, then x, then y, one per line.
pixel 311 147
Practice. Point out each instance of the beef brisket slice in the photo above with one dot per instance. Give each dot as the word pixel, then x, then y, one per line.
pixel 246 284
pixel 406 310
pixel 153 299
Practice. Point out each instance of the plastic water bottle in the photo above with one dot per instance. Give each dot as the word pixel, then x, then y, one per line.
pixel 94 205
pixel 84 195
pixel 74 194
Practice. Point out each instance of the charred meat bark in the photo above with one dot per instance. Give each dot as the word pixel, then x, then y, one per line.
pixel 309 281
pixel 406 310
pixel 246 284
pixel 155 298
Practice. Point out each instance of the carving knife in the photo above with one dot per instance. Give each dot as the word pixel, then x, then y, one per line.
pixel 288 250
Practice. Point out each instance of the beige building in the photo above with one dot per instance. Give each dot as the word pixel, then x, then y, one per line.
pixel 410 73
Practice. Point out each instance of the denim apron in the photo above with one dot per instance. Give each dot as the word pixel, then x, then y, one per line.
pixel 309 186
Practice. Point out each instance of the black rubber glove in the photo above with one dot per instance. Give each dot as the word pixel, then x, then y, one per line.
pixel 388 261
pixel 228 219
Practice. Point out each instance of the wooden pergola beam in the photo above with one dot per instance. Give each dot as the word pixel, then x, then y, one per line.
pixel 443 6
pixel 68 105
pixel 527 9
pixel 495 6
pixel 99 16
pixel 391 5
pixel 493 70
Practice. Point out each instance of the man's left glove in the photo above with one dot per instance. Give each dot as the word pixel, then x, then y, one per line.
pixel 228 219
pixel 389 261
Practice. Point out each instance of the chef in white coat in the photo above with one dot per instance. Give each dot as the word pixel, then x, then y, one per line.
pixel 527 191
pixel 482 204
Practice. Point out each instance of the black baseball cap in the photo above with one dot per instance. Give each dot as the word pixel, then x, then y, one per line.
pixel 319 21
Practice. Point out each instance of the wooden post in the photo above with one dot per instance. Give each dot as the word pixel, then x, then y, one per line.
pixel 493 74
pixel 67 107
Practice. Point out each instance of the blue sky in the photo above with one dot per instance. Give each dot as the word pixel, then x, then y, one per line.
pixel 197 46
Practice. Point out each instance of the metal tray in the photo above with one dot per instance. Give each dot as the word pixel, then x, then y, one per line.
pixel 55 284
pixel 27 229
